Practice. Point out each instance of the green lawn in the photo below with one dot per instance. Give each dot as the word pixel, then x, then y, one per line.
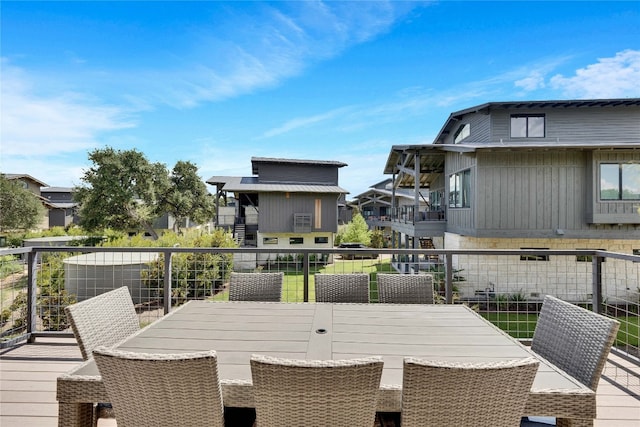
pixel 522 326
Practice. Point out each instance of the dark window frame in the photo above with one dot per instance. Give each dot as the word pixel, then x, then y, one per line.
pixel 620 191
pixel 528 128
pixel 460 190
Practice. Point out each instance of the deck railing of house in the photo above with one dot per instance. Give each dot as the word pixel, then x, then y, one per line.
pixel 505 286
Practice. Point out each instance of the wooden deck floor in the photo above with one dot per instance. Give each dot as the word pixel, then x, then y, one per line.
pixel 28 386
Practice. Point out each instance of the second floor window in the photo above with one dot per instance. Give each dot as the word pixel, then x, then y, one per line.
pixel 462 133
pixel 527 126
pixel 460 189
pixel 620 181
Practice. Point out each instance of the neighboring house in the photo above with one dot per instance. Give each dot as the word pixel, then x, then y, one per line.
pixel 33 185
pixel 376 204
pixel 287 204
pixel 529 174
pixel 61 206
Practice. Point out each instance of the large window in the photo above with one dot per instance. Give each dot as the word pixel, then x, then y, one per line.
pixel 620 181
pixel 460 189
pixel 527 126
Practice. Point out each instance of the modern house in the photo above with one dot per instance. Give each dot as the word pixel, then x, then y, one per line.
pixel 528 174
pixel 287 203
pixel 382 202
pixel 61 206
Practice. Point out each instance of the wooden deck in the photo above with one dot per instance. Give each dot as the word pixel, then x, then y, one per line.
pixel 28 386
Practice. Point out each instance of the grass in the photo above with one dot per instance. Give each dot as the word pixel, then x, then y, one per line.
pixel 293 285
pixel 521 326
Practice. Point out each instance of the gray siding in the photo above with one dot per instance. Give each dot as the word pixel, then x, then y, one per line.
pixel 276 211
pixel 480 129
pixel 299 174
pixel 611 212
pixel 461 220
pixel 534 194
pixel 576 125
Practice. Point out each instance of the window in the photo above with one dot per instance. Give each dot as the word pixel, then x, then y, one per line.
pixel 302 223
pixel 527 126
pixel 321 240
pixel 620 181
pixel 463 132
pixel 296 240
pixel 534 257
pixel 269 240
pixel 318 214
pixel 460 189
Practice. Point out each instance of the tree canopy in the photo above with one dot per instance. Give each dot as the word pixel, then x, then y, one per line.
pixel 356 231
pixel 187 196
pixel 20 209
pixel 124 191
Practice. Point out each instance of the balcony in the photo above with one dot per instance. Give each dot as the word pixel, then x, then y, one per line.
pixel 504 286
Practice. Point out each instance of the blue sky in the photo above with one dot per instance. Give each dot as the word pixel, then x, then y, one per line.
pixel 217 82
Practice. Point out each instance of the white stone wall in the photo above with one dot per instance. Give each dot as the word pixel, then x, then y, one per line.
pixel 563 276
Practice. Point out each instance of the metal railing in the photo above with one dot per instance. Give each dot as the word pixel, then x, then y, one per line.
pixel 505 286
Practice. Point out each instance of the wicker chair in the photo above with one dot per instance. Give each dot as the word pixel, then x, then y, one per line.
pixel 465 395
pixel 150 390
pixel 574 339
pixel 341 393
pixel 105 319
pixel 352 288
pixel 255 286
pixel 405 288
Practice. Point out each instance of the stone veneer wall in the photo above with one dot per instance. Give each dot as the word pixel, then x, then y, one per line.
pixel 563 276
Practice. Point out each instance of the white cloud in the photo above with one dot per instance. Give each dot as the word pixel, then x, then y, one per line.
pixel 44 125
pixel 613 77
pixel 535 80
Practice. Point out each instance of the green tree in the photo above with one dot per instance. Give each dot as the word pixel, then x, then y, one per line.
pixel 20 209
pixel 121 191
pixel 187 196
pixel 356 231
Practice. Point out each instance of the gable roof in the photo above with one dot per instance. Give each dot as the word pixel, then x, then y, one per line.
pixel 14 176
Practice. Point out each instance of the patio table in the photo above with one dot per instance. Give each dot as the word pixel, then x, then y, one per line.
pixel 236 330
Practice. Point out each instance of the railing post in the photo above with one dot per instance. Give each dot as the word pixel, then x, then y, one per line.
pixel 448 285
pixel 305 279
pixel 596 282
pixel 32 278
pixel 167 281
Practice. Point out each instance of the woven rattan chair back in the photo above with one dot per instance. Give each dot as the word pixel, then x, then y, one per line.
pixel 170 390
pixel 255 286
pixel 405 288
pixel 315 393
pixel 352 288
pixel 447 394
pixel 574 339
pixel 105 319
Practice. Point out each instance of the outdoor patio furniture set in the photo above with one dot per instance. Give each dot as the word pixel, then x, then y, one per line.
pixel 183 388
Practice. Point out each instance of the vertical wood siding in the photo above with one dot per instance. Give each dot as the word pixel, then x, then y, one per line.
pixel 530 191
pixel 281 209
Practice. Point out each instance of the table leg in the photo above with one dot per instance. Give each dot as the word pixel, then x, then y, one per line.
pixel 75 414
pixel 573 422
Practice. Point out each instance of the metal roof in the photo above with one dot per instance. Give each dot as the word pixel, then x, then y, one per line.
pixel 251 185
pixel 13 176
pixel 515 105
